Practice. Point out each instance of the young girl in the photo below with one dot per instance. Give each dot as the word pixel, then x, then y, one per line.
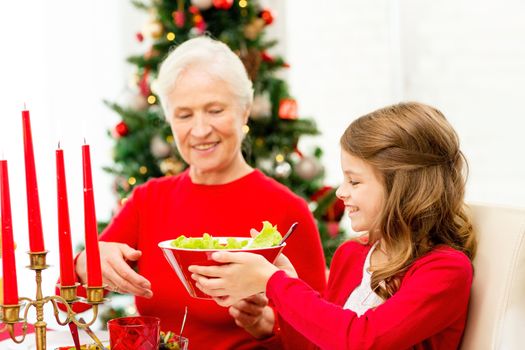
pixel 408 285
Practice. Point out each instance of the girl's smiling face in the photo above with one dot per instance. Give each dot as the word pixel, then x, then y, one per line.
pixel 362 192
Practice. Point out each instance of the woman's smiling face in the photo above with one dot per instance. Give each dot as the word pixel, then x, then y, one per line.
pixel 206 119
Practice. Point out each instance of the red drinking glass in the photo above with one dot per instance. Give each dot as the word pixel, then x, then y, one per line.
pixel 134 333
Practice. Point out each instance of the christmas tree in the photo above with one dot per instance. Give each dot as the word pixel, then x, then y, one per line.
pixel 143 144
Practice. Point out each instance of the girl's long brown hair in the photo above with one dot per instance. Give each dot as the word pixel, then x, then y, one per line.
pixel 416 153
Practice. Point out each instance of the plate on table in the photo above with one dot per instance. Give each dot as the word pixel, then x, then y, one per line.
pixel 55 339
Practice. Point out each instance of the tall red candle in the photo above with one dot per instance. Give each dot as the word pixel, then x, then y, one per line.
pixel 94 274
pixel 8 247
pixel 67 275
pixel 36 237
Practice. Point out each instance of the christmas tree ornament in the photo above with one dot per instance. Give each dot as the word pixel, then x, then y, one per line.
pixel 194 10
pixel 179 18
pixel 122 183
pixel 194 32
pixel 143 83
pixel 222 4
pixel 335 210
pixel 138 102
pixel 308 168
pixel 266 165
pixel 152 99
pixel 333 228
pixel 266 57
pixel 261 107
pixel 120 130
pixel 202 4
pixel 259 142
pixel 288 109
pixel 254 28
pixel 251 59
pixel 267 16
pixel 140 37
pixel 243 4
pixel 132 180
pixel 159 148
pixel 171 166
pixel 283 170
pixel 199 23
pixel 151 53
pixel 294 158
pixel 153 29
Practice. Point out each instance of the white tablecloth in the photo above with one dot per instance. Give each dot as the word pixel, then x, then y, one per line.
pixel 55 339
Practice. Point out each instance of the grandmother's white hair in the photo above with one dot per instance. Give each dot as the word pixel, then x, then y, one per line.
pixel 215 57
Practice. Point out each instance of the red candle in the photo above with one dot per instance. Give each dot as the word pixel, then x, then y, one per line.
pixel 8 247
pixel 67 275
pixel 94 274
pixel 36 237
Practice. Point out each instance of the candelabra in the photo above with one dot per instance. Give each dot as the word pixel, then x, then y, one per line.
pixel 68 296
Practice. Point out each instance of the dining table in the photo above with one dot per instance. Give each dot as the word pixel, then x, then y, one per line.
pixel 54 339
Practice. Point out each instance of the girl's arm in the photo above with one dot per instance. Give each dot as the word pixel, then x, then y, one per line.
pixel 433 295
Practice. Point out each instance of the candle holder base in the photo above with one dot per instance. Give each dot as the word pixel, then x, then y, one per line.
pixel 69 293
pixel 11 313
pixel 37 260
pixel 95 295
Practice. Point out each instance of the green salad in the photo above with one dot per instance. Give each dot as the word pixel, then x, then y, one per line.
pixel 267 237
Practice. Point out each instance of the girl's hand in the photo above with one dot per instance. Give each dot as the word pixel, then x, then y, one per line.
pixel 243 275
pixel 116 272
pixel 254 315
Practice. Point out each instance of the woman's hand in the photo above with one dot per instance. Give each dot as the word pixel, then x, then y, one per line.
pixel 283 263
pixel 116 272
pixel 243 275
pixel 254 315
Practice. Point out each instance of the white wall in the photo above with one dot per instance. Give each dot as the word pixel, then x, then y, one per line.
pixel 465 57
pixel 61 58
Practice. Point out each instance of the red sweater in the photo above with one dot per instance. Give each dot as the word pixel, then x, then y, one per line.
pixel 165 208
pixel 428 311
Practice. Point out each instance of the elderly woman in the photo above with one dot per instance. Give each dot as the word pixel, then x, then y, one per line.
pixel 206 96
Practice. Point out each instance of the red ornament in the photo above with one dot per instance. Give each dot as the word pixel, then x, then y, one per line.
pixel 320 193
pixel 143 84
pixel 121 130
pixel 140 37
pixel 223 4
pixel 266 57
pixel 179 18
pixel 288 109
pixel 333 228
pixel 267 16
pixel 200 24
pixel 194 10
pixel 335 211
pixel 296 149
